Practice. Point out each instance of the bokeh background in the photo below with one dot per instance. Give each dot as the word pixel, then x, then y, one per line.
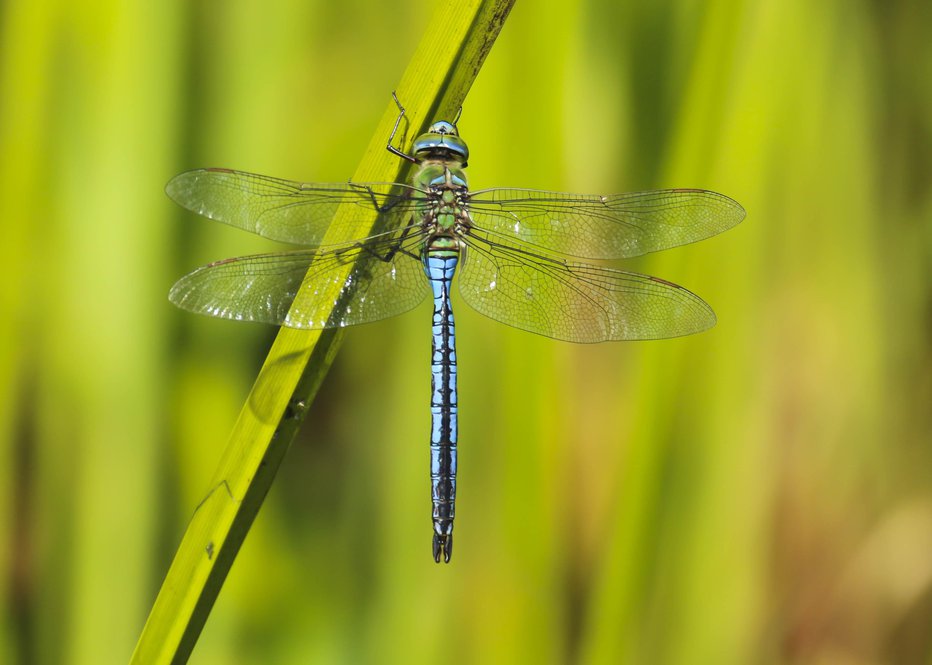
pixel 761 493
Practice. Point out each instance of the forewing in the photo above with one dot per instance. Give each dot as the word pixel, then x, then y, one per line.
pixel 603 227
pixel 292 212
pixel 575 302
pixel 264 287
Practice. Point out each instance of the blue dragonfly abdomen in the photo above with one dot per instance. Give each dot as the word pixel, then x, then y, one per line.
pixel 440 266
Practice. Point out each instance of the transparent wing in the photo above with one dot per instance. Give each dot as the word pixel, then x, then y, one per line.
pixel 292 212
pixel 603 227
pixel 575 302
pixel 263 287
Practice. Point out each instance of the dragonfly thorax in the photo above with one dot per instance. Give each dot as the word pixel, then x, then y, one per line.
pixel 438 176
pixel 445 207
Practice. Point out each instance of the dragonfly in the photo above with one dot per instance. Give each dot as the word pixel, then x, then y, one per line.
pixel 510 250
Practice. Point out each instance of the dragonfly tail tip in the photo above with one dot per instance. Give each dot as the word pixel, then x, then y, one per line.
pixel 443 545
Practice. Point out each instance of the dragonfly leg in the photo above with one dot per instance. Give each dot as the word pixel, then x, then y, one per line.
pixel 392 149
pixel 390 254
pixel 394 249
pixel 380 209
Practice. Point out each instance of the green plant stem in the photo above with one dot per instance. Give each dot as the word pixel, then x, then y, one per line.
pixel 435 84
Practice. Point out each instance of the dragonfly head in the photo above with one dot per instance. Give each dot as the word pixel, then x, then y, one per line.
pixel 442 141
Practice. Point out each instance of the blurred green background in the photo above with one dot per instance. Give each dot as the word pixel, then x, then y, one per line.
pixel 761 493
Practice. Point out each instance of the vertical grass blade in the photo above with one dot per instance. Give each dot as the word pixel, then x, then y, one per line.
pixel 434 85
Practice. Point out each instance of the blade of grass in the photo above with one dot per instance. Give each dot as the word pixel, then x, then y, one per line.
pixel 441 72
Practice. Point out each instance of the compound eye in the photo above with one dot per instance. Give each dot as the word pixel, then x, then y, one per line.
pixel 442 127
